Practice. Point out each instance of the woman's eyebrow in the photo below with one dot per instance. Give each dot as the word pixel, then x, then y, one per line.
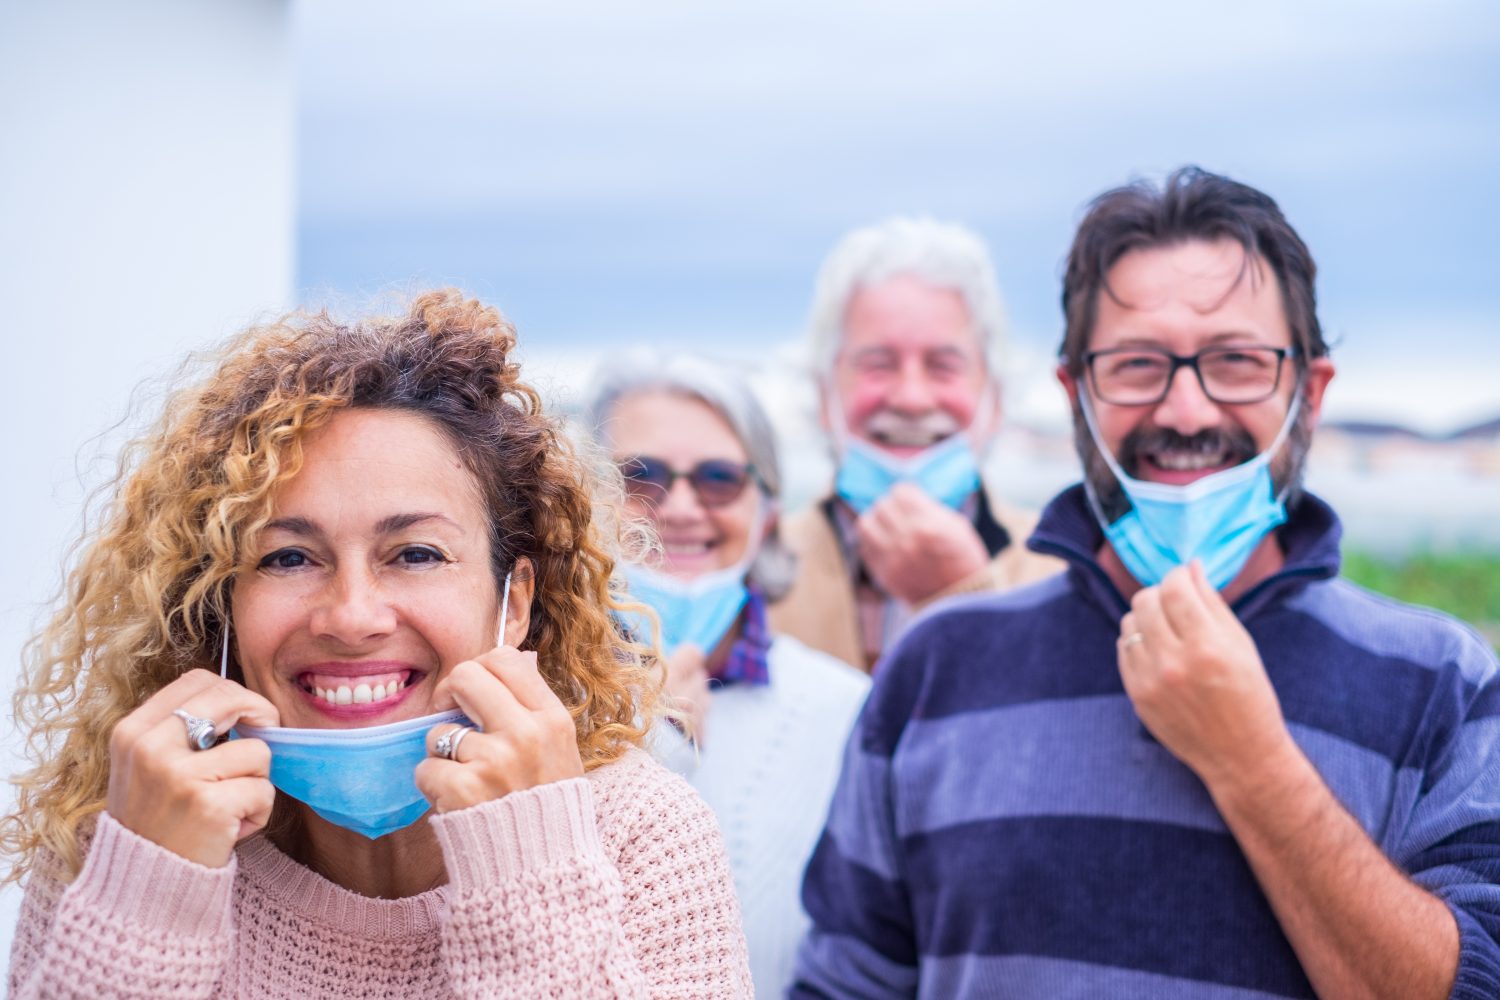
pixel 394 522
pixel 295 526
pixel 399 522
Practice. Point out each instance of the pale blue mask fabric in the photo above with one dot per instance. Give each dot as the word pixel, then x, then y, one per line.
pixel 699 611
pixel 360 779
pixel 702 610
pixel 1218 520
pixel 947 472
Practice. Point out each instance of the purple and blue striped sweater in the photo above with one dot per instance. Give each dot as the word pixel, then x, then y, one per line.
pixel 1004 825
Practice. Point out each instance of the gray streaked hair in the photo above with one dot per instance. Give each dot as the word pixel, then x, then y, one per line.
pixel 941 254
pixel 630 373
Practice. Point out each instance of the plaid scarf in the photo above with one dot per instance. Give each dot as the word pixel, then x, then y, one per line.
pixel 749 656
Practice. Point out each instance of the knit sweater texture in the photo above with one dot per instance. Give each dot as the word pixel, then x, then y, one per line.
pixel 1005 826
pixel 611 885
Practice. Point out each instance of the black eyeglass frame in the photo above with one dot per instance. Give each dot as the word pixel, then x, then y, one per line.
pixel 691 475
pixel 1190 361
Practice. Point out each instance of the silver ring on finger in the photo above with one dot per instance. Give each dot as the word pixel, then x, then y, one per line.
pixel 1133 639
pixel 446 745
pixel 201 732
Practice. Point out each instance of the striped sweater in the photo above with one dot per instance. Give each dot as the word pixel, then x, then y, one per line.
pixel 1005 826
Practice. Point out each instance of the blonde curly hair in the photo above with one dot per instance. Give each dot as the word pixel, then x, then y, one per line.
pixel 149 591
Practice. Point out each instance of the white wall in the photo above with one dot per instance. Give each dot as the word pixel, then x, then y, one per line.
pixel 146 207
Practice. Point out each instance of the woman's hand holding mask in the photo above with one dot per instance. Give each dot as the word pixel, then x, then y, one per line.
pixel 195 803
pixel 528 736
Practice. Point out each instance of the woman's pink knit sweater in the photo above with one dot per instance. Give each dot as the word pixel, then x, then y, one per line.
pixel 612 885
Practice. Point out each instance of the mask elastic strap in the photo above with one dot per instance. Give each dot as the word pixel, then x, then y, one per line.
pixel 505 607
pixel 837 426
pixel 1121 476
pixel 1087 408
pixel 1292 413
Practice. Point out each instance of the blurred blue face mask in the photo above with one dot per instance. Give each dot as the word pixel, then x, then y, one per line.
pixel 1218 520
pixel 360 779
pixel 947 471
pixel 699 611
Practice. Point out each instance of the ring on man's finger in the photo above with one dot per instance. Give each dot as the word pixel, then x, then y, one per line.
pixel 201 732
pixel 1133 639
pixel 446 745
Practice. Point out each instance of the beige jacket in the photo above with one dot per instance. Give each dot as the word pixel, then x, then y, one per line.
pixel 819 609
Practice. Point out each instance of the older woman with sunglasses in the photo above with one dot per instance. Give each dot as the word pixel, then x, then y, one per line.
pixel 769 715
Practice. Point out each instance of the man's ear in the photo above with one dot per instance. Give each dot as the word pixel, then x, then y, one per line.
pixel 997 405
pixel 1069 383
pixel 522 590
pixel 1320 372
pixel 986 423
pixel 771 521
pixel 824 399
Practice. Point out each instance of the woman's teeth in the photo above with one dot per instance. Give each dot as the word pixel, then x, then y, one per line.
pixel 686 548
pixel 361 693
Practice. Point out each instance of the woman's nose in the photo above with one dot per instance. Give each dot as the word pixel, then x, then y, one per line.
pixel 353 610
pixel 681 501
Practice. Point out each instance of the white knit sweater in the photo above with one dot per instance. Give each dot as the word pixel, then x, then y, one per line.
pixel 772 756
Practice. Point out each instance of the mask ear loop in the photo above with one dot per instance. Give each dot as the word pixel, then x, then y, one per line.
pixel 1293 412
pixel 504 607
pixel 833 412
pixel 1086 407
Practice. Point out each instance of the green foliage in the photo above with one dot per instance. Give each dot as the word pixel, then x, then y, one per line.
pixel 1464 584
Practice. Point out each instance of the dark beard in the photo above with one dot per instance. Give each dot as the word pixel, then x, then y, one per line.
pixel 1287 467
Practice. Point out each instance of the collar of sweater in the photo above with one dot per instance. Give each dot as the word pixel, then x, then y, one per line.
pixel 300 890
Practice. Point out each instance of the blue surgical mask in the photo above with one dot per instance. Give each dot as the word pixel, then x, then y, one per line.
pixel 698 611
pixel 360 779
pixel 702 610
pixel 1218 520
pixel 947 472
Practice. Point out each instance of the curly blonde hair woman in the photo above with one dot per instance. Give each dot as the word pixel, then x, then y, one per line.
pixel 338 523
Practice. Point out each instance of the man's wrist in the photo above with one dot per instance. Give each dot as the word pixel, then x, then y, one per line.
pixel 1269 780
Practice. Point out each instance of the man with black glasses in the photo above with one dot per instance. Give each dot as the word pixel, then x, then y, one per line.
pixel 1197 764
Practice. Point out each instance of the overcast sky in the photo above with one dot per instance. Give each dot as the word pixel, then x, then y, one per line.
pixel 614 172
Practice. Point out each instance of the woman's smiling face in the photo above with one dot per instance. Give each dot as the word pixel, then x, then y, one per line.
pixel 372 579
pixel 683 432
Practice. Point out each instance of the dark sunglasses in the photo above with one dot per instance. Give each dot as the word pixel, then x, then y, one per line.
pixel 716 481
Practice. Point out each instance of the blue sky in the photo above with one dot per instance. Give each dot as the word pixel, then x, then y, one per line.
pixel 671 172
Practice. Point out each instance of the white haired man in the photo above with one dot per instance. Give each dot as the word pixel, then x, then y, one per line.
pixel 906 332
